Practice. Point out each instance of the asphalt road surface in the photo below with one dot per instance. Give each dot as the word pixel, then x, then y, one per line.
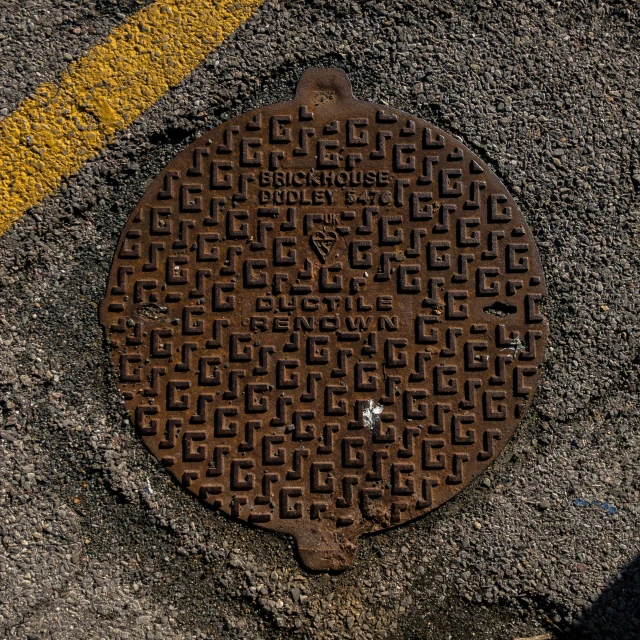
pixel 98 542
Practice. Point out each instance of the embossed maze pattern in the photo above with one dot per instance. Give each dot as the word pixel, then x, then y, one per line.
pixel 325 317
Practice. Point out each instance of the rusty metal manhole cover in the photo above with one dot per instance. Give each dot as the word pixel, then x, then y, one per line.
pixel 325 317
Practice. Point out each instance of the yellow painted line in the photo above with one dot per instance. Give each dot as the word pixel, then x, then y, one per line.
pixel 51 134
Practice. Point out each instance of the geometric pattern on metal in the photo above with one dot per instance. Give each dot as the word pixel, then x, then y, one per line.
pixel 324 317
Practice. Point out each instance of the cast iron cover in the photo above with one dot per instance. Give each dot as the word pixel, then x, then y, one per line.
pixel 324 317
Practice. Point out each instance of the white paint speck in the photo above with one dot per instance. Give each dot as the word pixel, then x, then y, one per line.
pixel 370 412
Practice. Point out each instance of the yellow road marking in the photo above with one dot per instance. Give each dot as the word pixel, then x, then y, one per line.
pixel 51 134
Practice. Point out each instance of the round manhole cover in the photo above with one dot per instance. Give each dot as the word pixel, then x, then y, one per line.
pixel 325 317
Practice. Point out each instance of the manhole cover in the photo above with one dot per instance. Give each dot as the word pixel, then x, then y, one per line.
pixel 325 317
